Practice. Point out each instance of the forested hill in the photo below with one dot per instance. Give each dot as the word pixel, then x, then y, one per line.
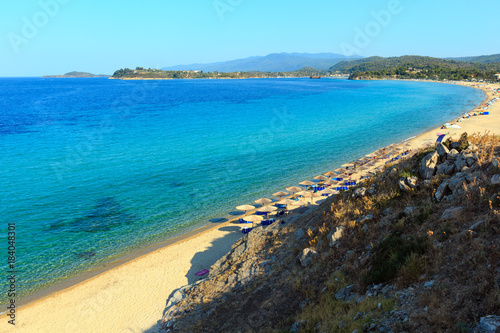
pixel 417 67
pixel 486 59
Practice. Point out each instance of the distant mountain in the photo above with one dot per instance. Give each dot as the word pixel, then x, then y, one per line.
pixel 484 59
pixel 77 74
pixel 275 62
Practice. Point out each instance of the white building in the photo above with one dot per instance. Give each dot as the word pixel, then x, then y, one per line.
pixel 497 76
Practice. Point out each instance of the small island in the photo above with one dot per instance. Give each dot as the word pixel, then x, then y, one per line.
pixel 75 74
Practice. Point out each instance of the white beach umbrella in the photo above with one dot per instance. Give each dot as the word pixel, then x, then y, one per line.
pixel 321 177
pixel 263 201
pixel 267 209
pixel 329 173
pixel 328 191
pixel 245 208
pixel 307 183
pixel 253 219
pixel 280 194
pixel 294 189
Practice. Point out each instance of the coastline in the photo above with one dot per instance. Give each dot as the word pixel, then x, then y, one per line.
pixel 89 300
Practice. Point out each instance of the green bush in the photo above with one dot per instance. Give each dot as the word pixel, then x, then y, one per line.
pixel 391 254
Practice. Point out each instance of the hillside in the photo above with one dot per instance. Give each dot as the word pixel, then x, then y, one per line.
pixel 416 67
pixel 275 62
pixel 413 249
pixel 485 59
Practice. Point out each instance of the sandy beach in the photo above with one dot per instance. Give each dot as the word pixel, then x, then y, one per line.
pixel 132 296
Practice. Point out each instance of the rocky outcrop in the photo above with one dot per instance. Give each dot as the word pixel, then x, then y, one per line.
pixel 335 235
pixel 427 167
pixel 307 256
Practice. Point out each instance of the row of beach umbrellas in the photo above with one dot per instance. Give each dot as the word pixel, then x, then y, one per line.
pixel 345 171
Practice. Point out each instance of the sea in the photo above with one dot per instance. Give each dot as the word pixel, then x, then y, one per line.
pixel 93 169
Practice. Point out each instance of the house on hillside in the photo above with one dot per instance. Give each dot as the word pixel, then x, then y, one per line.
pixel 497 76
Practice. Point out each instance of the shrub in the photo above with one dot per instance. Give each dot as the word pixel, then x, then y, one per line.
pixel 391 254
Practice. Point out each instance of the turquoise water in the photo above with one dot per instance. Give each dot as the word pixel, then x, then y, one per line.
pixel 95 168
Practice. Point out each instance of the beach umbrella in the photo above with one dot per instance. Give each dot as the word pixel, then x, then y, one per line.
pixel 312 195
pixel 347 165
pixel 331 182
pixel 267 209
pixel 306 183
pixel 287 202
pixel 330 173
pixel 328 191
pixel 321 177
pixel 280 194
pixel 263 201
pixel 253 219
pixel 245 208
pixel 294 189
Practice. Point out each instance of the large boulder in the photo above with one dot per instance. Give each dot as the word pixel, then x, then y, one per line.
pixel 460 162
pixel 488 324
pixel 452 213
pixel 307 256
pixel 402 184
pixel 446 168
pixel 359 192
pixel 335 235
pixel 495 180
pixel 442 150
pixel 457 184
pixel 442 190
pixel 412 182
pixel 427 166
pixel 452 155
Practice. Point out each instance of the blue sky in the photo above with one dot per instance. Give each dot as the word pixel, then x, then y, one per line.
pixel 39 37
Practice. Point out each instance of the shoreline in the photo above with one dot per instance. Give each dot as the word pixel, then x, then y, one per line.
pixel 204 237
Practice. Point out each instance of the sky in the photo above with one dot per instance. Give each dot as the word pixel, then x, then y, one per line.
pixel 43 37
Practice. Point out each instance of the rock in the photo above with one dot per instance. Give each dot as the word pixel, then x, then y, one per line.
pixel 335 235
pixel 307 257
pixel 460 162
pixel 446 168
pixel 452 155
pixel 359 192
pixel 450 198
pixel 455 145
pixel 429 284
pixel 442 190
pixel 357 316
pixel 299 234
pixel 372 190
pixel 367 218
pixel 345 294
pixel 402 185
pixel 495 180
pixel 451 213
pixel 496 163
pixel 295 327
pixel 412 182
pixel 457 184
pixel 409 210
pixel 476 226
pixel 387 211
pixel 427 182
pixel 488 324
pixel 427 166
pixel 342 324
pixel 365 228
pixel 442 150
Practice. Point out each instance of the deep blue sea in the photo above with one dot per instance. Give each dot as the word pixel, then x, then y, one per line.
pixel 92 169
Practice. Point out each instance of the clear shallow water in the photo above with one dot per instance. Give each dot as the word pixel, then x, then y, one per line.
pixel 95 168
